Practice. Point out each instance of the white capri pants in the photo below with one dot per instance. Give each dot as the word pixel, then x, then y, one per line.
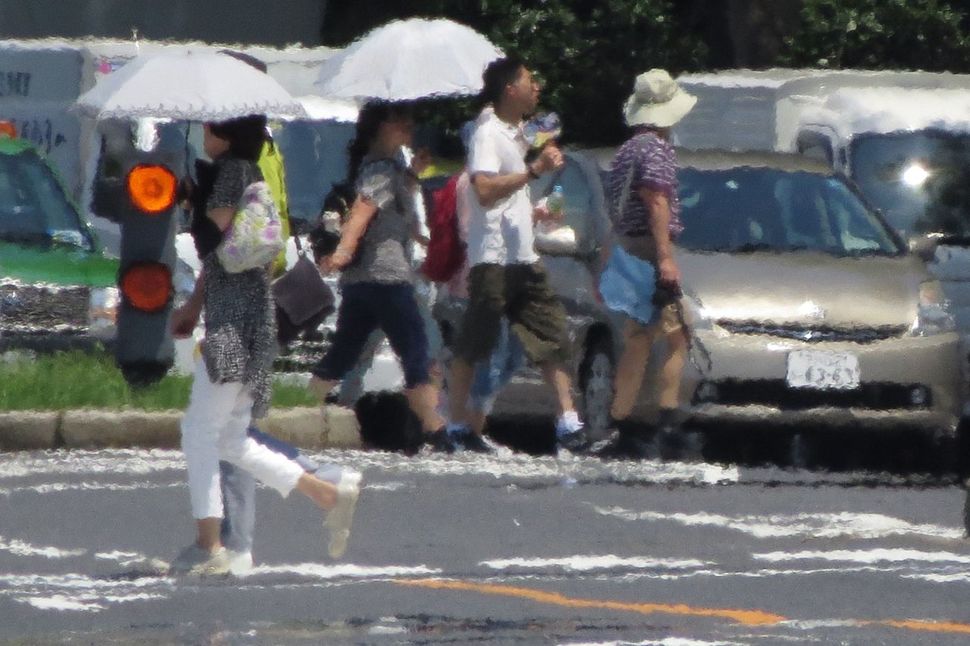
pixel 214 428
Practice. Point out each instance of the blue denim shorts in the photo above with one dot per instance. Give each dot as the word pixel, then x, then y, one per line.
pixel 627 285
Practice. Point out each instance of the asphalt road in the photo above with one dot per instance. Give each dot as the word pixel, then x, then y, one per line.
pixel 507 549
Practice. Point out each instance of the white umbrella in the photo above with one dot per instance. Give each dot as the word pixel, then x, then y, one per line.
pixel 409 59
pixel 192 85
pixel 319 108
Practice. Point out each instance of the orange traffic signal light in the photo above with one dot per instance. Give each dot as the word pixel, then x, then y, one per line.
pixel 151 188
pixel 147 286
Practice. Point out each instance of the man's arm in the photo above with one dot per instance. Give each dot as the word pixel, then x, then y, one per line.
pixel 658 209
pixel 492 188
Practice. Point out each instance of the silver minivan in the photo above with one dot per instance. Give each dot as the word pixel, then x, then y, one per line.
pixel 812 309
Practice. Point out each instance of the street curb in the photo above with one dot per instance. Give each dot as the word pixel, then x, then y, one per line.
pixel 28 430
pixel 305 428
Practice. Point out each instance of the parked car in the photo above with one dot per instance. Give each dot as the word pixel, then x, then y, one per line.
pixel 903 137
pixel 57 288
pixel 811 307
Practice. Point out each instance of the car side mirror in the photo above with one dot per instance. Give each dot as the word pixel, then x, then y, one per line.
pixel 923 246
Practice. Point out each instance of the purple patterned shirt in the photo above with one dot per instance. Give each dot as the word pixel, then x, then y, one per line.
pixel 654 164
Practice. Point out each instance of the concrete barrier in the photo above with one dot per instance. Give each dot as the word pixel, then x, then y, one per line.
pixel 28 430
pixel 343 431
pixel 312 428
pixel 120 429
pixel 306 428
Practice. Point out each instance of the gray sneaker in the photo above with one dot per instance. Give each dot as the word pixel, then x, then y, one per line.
pixel 339 519
pixel 195 561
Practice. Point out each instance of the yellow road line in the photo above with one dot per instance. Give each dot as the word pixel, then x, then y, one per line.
pixel 926 625
pixel 744 617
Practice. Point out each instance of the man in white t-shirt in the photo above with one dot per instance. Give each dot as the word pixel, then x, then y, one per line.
pixel 506 278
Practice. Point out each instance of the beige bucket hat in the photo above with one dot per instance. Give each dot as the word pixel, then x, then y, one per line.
pixel 657 100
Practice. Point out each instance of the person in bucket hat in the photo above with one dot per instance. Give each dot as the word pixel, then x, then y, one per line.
pixel 641 278
pixel 657 101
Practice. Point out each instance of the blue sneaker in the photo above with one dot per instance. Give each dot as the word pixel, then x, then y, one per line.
pixel 441 441
pixel 464 439
pixel 476 443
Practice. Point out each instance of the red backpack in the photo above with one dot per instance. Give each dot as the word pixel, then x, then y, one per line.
pixel 446 251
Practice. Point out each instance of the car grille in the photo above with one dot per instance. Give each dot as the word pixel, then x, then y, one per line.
pixel 776 392
pixel 815 334
pixel 43 309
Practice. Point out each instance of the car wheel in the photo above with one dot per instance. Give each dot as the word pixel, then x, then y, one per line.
pixel 596 382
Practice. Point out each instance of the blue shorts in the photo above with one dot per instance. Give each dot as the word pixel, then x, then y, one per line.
pixel 627 285
pixel 365 307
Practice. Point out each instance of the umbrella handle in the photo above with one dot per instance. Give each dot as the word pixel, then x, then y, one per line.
pixel 188 129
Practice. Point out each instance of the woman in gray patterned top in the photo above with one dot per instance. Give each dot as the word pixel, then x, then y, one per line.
pixel 232 378
pixel 377 283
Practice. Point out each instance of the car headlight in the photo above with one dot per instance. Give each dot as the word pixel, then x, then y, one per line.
pixel 103 312
pixel 696 316
pixel 933 311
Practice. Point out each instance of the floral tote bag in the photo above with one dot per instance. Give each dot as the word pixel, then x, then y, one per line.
pixel 255 236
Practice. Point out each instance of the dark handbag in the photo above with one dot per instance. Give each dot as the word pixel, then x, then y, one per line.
pixel 303 299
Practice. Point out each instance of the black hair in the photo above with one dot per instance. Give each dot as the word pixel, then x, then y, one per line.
pixel 255 63
pixel 245 135
pixel 497 76
pixel 369 121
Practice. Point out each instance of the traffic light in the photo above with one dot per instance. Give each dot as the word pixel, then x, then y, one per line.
pixel 138 191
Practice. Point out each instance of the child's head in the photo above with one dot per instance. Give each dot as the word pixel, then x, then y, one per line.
pixel 323 242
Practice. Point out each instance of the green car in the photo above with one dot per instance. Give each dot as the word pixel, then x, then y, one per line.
pixel 57 288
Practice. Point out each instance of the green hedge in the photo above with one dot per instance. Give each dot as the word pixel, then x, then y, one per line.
pixel 73 380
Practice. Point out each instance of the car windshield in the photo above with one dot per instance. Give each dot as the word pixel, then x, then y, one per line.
pixel 919 180
pixel 315 156
pixel 749 209
pixel 33 207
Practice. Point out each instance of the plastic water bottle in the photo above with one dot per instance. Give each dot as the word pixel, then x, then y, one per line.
pixel 556 201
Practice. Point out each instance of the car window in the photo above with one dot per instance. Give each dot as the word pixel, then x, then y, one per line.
pixel 918 179
pixel 816 146
pixel 33 206
pixel 761 209
pixel 314 154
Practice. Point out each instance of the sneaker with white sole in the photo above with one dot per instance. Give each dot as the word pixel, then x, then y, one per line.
pixel 570 434
pixel 196 561
pixel 340 518
pixel 240 563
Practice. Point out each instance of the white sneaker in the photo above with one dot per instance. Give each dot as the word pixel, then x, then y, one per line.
pixel 339 519
pixel 195 561
pixel 240 563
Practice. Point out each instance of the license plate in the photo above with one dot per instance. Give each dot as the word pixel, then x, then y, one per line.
pixel 822 370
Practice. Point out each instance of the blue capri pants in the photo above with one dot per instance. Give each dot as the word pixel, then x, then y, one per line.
pixel 365 307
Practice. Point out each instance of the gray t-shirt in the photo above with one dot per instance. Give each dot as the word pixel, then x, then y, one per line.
pixel 382 255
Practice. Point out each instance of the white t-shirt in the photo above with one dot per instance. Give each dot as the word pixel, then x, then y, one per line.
pixel 503 233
